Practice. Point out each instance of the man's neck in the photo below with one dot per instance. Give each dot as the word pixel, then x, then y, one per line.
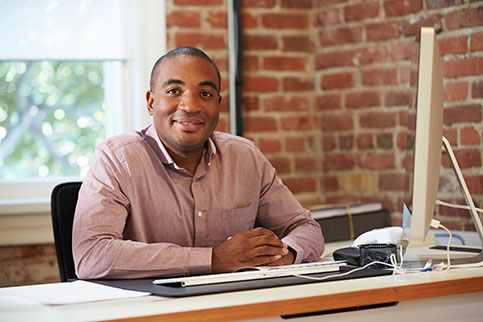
pixel 188 161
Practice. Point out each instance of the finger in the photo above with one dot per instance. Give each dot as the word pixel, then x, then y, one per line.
pixel 267 251
pixel 266 240
pixel 259 231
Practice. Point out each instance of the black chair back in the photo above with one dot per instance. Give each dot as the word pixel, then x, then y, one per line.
pixel 63 203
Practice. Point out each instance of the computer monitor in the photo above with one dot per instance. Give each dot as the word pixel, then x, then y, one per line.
pixel 424 143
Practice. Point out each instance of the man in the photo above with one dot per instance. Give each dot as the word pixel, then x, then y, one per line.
pixel 178 198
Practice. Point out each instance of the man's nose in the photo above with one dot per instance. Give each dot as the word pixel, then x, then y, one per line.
pixel 189 103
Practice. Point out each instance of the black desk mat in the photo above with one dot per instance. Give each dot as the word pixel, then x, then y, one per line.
pixel 146 284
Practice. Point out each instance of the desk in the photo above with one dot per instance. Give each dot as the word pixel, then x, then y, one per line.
pixel 437 287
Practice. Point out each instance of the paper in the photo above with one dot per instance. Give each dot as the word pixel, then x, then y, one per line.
pixel 69 293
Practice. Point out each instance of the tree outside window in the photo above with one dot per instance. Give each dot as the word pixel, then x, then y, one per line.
pixel 52 115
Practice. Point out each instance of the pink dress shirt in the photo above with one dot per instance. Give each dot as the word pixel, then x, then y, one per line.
pixel 140 215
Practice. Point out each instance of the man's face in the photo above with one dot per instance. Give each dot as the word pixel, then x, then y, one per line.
pixel 185 103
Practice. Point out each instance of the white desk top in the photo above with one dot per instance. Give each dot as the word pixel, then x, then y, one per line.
pixel 15 310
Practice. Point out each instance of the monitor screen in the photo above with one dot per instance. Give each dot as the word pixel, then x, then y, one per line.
pixel 424 141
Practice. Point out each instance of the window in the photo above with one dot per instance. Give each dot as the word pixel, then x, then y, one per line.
pixel 70 76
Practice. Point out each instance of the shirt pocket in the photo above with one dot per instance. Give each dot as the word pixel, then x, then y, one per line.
pixel 234 221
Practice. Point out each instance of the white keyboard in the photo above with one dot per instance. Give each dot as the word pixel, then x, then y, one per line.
pixel 253 273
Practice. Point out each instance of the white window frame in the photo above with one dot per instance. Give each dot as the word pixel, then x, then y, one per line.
pixel 25 204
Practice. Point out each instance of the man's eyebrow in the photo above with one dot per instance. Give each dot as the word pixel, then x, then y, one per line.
pixel 208 83
pixel 173 81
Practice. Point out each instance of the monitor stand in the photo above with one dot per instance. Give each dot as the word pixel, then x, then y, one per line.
pixel 469 201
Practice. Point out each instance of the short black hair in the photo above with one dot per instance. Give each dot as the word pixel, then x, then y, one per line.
pixel 181 51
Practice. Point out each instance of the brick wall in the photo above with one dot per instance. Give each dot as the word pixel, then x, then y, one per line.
pixel 326 89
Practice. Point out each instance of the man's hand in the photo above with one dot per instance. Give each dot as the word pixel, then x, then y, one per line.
pixel 255 247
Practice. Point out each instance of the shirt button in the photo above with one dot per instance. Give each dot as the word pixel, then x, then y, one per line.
pixel 200 213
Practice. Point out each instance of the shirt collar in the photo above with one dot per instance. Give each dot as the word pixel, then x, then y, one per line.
pixel 208 152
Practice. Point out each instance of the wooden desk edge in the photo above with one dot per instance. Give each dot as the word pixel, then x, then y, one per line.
pixel 323 302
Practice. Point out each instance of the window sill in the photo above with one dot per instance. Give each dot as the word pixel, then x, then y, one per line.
pixel 25 222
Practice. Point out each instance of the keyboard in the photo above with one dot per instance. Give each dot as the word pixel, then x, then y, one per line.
pixel 253 273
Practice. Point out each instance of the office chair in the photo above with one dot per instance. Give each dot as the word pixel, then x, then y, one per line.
pixel 63 203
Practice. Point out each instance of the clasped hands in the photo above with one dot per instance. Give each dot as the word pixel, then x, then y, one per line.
pixel 254 247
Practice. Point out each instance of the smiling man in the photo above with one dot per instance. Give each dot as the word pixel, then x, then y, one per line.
pixel 179 198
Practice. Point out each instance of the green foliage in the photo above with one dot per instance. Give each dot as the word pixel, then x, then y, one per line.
pixel 52 116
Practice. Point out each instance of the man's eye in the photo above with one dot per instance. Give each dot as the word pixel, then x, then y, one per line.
pixel 206 94
pixel 173 91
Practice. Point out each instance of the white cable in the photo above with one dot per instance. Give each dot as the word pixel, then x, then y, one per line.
pixel 436 224
pixel 447 204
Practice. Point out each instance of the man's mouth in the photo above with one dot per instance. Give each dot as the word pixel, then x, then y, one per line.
pixel 188 125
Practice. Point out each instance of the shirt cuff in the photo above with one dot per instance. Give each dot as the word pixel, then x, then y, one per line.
pixel 200 260
pixel 299 253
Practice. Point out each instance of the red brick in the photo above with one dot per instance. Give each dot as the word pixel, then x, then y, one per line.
pixel 185 19
pixel 400 8
pixel 198 2
pixel 259 3
pixel 200 40
pixel 327 17
pixel 346 142
pixel 403 118
pixel 337 122
pixel 455 91
pixel 323 3
pixel 259 42
pixel 270 145
pixel 218 19
pixel 338 162
pixel 399 50
pixel 286 20
pixel 466 159
pixel 379 76
pixel 251 103
pixel 298 84
pixel 364 141
pixel 382 31
pixel 299 185
pixel 436 4
pixel 451 135
pixel 411 26
pixel 297 4
pixel 465 18
pixel 328 102
pixel 368 55
pixel 391 181
pixel 284 103
pixel 396 98
pixel 476 43
pixel 285 63
pixel 361 11
pixel 282 165
pixel 377 120
pixel 477 89
pixel 377 161
pixel 330 183
pixel 475 184
pixel 296 144
pixel 402 140
pixel 260 84
pixel 305 165
pixel 362 99
pixel 338 80
pixel 250 63
pixel 259 124
pixel 463 114
pixel 297 123
pixel 248 20
pixel 328 142
pixel 334 59
pixel 453 45
pixel 298 43
pixel 384 141
pixel 472 66
pixel 339 36
pixel 469 136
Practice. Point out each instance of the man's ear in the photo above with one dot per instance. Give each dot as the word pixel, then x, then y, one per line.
pixel 150 102
pixel 219 99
